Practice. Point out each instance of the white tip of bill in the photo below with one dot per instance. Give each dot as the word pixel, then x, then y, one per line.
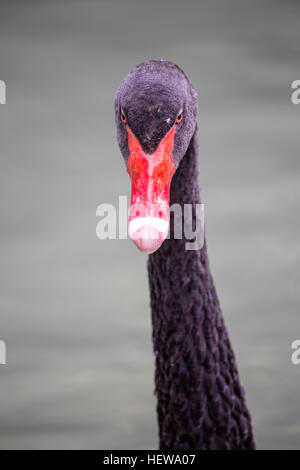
pixel 148 233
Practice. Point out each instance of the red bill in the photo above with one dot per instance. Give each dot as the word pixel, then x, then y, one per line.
pixel 150 192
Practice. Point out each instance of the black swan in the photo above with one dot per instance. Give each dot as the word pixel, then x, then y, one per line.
pixel 201 404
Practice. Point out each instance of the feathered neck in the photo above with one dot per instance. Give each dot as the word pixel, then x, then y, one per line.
pixel 201 404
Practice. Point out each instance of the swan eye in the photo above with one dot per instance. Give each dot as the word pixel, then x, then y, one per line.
pixel 123 117
pixel 179 118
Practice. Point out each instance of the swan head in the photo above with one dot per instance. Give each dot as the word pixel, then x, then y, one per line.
pixel 155 113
